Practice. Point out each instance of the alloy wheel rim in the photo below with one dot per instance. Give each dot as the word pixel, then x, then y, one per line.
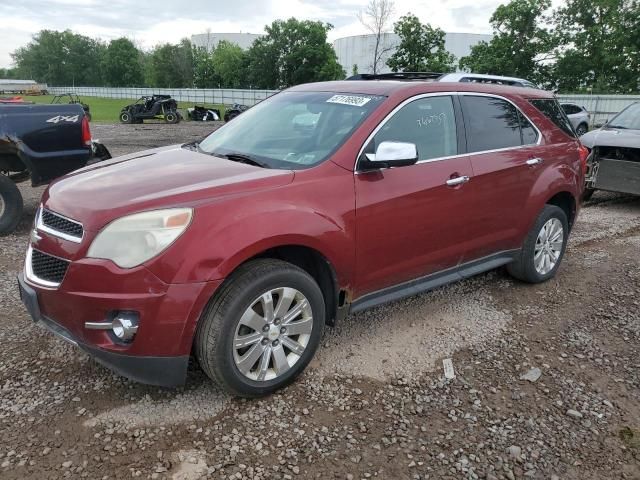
pixel 548 246
pixel 2 205
pixel 272 334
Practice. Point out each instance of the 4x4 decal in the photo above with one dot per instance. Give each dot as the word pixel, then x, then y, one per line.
pixel 64 118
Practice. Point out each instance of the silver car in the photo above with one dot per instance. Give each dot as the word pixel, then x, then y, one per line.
pixel 578 116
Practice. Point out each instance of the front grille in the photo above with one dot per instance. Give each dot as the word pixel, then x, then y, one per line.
pixel 61 224
pixel 48 268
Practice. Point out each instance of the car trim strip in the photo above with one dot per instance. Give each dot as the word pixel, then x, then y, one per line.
pixel 432 280
pixel 459 155
pixel 56 233
pixel 32 278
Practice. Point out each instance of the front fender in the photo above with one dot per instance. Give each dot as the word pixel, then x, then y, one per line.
pixel 226 233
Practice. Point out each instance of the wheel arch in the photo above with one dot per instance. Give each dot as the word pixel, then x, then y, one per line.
pixel 567 202
pixel 312 261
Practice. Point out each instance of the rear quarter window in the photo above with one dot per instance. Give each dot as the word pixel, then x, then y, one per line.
pixel 552 110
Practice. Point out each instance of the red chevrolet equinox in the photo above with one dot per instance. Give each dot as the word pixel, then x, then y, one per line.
pixel 323 200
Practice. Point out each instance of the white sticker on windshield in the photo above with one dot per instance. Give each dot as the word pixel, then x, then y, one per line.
pixel 353 100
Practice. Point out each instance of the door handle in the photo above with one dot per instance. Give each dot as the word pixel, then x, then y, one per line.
pixel 452 182
pixel 534 161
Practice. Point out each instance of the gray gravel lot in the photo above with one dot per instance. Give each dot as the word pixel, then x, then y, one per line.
pixel 547 380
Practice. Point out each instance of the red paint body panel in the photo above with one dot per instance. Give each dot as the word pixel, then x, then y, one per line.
pixel 376 228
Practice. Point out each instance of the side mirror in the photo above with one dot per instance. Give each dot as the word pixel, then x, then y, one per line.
pixel 391 154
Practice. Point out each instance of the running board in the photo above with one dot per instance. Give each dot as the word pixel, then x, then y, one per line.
pixel 432 281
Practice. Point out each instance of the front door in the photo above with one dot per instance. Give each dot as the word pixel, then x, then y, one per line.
pixel 411 221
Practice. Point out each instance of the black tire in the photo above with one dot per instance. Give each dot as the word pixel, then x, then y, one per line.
pixel 125 117
pixel 582 129
pixel 10 205
pixel 588 193
pixel 523 267
pixel 231 116
pixel 171 117
pixel 215 334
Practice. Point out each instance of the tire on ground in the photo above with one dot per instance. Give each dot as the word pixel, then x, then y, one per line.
pixel 10 205
pixel 523 267
pixel 216 329
pixel 125 117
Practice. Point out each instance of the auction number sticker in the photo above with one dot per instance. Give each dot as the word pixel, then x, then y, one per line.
pixel 353 100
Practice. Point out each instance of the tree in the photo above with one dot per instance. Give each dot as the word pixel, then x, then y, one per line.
pixel 376 18
pixel 600 46
pixel 520 47
pixel 229 64
pixel 61 58
pixel 421 48
pixel 122 64
pixel 291 53
pixel 204 75
pixel 171 66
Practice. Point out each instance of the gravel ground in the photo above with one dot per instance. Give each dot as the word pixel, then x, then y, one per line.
pixel 547 380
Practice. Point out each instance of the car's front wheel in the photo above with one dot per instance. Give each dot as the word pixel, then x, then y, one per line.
pixel 261 329
pixel 582 129
pixel 543 248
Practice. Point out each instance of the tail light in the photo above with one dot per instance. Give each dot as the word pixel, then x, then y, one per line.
pixel 86 131
pixel 584 155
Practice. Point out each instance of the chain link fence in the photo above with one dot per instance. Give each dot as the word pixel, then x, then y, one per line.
pixel 195 96
pixel 601 107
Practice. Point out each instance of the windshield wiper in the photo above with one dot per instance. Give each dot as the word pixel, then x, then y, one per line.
pixel 620 127
pixel 243 158
pixel 195 146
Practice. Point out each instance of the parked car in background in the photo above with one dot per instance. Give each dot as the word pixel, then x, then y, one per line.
pixel 458 77
pixel 40 143
pixel 614 163
pixel 234 110
pixel 324 199
pixel 578 116
pixel 158 107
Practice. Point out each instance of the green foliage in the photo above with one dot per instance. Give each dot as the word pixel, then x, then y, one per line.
pixel 171 66
pixel 10 73
pixel 600 46
pixel 61 58
pixel 229 63
pixel 291 53
pixel 520 46
pixel 204 74
pixel 421 48
pixel 122 64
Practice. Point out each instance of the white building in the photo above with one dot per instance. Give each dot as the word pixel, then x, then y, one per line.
pixel 358 50
pixel 211 40
pixel 355 50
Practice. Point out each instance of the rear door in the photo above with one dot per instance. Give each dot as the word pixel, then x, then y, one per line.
pixel 410 222
pixel 504 151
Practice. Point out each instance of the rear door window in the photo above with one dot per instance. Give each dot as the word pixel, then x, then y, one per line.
pixel 551 109
pixel 493 124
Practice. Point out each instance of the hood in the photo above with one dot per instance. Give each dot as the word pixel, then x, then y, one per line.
pixel 611 137
pixel 159 178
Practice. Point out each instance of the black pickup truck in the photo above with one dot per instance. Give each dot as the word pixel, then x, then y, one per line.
pixel 41 143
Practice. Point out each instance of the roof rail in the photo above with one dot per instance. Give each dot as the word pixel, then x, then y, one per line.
pixel 397 76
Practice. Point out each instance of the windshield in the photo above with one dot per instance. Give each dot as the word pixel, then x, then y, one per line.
pixel 292 130
pixel 628 118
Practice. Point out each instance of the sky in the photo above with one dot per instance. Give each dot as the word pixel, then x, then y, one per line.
pixel 148 23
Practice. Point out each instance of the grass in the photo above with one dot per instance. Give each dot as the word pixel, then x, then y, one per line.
pixel 107 110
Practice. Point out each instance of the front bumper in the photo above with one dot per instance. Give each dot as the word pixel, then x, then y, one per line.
pixel 160 352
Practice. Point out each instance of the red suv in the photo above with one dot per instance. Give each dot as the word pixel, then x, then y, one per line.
pixel 325 199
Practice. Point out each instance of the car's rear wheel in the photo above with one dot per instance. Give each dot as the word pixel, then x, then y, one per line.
pixel 261 329
pixel 10 205
pixel 171 117
pixel 543 248
pixel 582 129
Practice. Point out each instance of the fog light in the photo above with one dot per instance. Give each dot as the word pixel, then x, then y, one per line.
pixel 125 326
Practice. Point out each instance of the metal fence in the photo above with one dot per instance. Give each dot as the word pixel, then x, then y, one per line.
pixel 601 107
pixel 190 95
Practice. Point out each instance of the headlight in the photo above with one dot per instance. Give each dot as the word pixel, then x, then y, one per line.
pixel 134 239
